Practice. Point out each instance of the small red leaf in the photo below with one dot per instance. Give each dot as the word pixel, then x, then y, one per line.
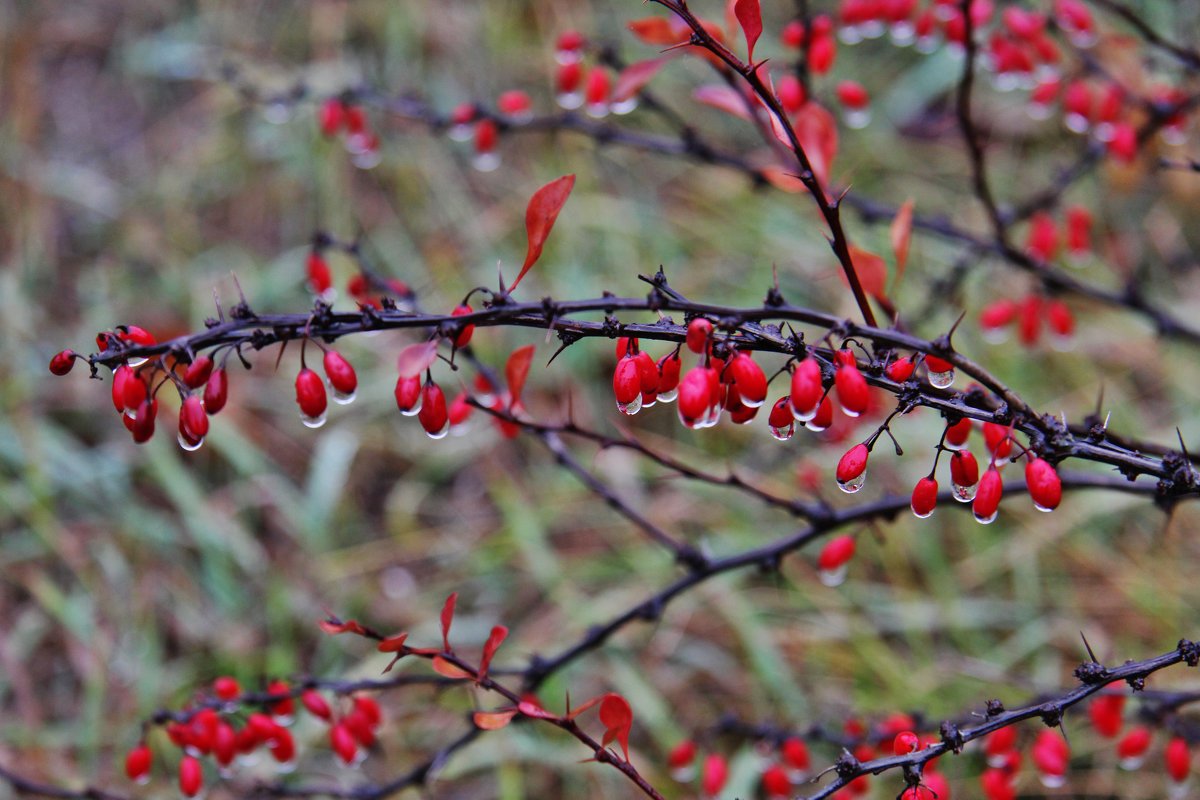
pixel 749 16
pixel 416 358
pixel 494 640
pixel 517 370
pixel 617 718
pixel 493 720
pixel 540 215
pixel 447 618
pixel 872 272
pixel 816 130
pixel 447 670
pixel 722 98
pixel 392 644
pixel 531 709
pixel 333 626
pixel 572 714
pixel 634 77
pixel 902 236
pixel 655 30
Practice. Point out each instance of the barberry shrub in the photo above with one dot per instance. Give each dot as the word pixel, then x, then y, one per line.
pixel 648 286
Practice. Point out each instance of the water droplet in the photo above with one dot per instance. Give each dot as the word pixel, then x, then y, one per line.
pixel 952 446
pixel 1178 791
pixel 649 403
pixel 597 110
pixel 486 162
pixel 941 380
pixel 797 775
pixel 919 515
pixel 567 56
pixel 872 29
pixel 247 759
pixel 668 397
pixel 1006 82
pixel 191 445
pixel 998 761
pixel 783 434
pixel 1105 131
pixel 134 363
pixel 1076 123
pixel 367 159
pixel 849 413
pixel 927 44
pixel 850 34
pixel 343 398
pixel 285 767
pixel 1038 111
pixel 439 434
pixel 1174 135
pixel 964 494
pixel 987 520
pixel 412 412
pixel 1062 344
pixel 460 133
pixel 461 429
pixel 856 118
pixel 569 100
pixel 833 577
pixel 1131 763
pixel 854 484
pixel 313 422
pixel 814 427
pixel 277 112
pixel 1051 781
pixel 1083 39
pixel 995 335
pixel 631 408
pixel 681 774
pixel 625 106
pixel 903 33
pixel 142 780
pixel 804 416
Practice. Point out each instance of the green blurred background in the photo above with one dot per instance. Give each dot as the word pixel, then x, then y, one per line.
pixel 135 184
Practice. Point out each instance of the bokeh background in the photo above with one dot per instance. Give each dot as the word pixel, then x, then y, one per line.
pixel 137 183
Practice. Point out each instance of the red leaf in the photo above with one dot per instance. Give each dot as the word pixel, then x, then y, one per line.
pixel 447 618
pixel 540 215
pixel 749 16
pixel 902 236
pixel 493 720
pixel 494 640
pixel 517 370
pixel 872 272
pixel 392 644
pixel 447 670
pixel 655 30
pixel 617 718
pixel 531 709
pixel 816 130
pixel 722 98
pixel 634 77
pixel 416 358
pixel 333 626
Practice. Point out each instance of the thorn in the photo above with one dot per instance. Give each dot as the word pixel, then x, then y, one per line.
pixel 500 277
pixel 1088 647
pixel 217 303
pixel 238 284
pixel 564 346
pixel 954 327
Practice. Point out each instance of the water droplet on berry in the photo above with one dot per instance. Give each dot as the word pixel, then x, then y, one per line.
pixel 850 34
pixel 941 380
pixel 486 162
pixel 367 159
pixel 814 426
pixel 1076 123
pixel 683 774
pixel 285 767
pixel 1051 781
pixel 833 577
pixel 783 434
pixel 918 515
pixel 667 397
pixel 872 29
pixel 313 422
pixel 460 133
pixel 1130 763
pixel 964 494
pixel 343 398
pixel 625 106
pixel 903 33
pixel 192 445
pixel 597 110
pixel 988 520
pixel 854 484
pixel 927 44
pixel 856 118
pixel 631 408
pixel 134 363
pixel 569 100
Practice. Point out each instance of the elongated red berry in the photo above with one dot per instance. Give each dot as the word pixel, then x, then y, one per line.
pixel 852 390
pixel 714 774
pixel 627 382
pixel 486 136
pixel 342 742
pixel 901 369
pixel 852 469
pixel 137 763
pixel 699 331
pixel 192 417
pixel 331 117
pixel 853 95
pixel 226 687
pixel 463 338
pixel 514 103
pixel 340 373
pixel 958 433
pixel 1107 714
pixel 198 372
pixel 775 782
pixel 668 375
pixel 191 776
pixel 905 742
pixel 924 497
pixel 1133 745
pixel 316 704
pixel 794 753
pixel 681 756
pixel 433 415
pixel 142 423
pixel 310 394
pixel 62 362
pixel 1045 487
pixel 1060 319
pixel 1050 753
pixel 408 395
pixel 999 440
pixel 807 388
pixel 694 396
pixel 216 392
pixel 749 379
pixel 1179 759
pixel 837 552
pixel 647 373
pixel 987 497
pixel 319 276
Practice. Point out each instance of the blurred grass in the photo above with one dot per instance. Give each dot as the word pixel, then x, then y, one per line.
pixel 133 186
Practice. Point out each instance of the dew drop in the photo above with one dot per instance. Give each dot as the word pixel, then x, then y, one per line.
pixel 285 767
pixel 926 515
pixel 142 780
pixel 857 118
pixel 667 397
pixel 987 520
pixel 191 445
pixel 486 162
pixel 941 380
pixel 567 56
pixel 247 759
pixel 343 398
pixel 954 446
pixel 367 159
pixel 277 112
pixel 412 412
pixel 622 107
pixel 833 577
pixel 964 494
pixel 814 427
pixel 1105 131
pixel 597 110
pixel 134 363
pixel 649 403
pixel 854 484
pixel 1051 781
pixel 439 434
pixel 1083 39
pixel 872 29
pixel 927 44
pixel 783 434
pixel 1132 763
pixel 681 774
pixel 569 100
pixel 313 422
pixel 1076 123
pixel 849 413
pixel 850 34
pixel 998 761
pixel 1174 135
pixel 1178 791
pixel 903 33
pixel 803 416
pixel 1005 82
pixel 460 133
pixel 462 429
pixel 995 335
pixel 1062 344
pixel 631 408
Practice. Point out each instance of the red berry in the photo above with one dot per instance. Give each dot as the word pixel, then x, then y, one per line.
pixel 310 394
pixel 142 423
pixel 282 745
pixel 998 439
pixel 790 92
pixel 1060 319
pixel 821 54
pixel 682 755
pixel 1050 753
pixel 486 135
pixel 1079 230
pixel 627 382
pixel 340 373
pixel 852 390
pixel 807 388
pixel 901 369
pixel 319 276
pixel 1179 759
pixel 714 775
pixel 285 706
pixel 226 687
pixel 958 433
pixel 463 337
pixel 433 415
pixel 987 497
pixel 342 742
pixel 997 314
pixel 1106 714
pixel 853 95
pixel 198 372
pixel 997 785
pixel 852 468
pixel 137 763
pixel 369 708
pixel 1043 237
pixel 191 776
pixel 132 334
pixel 749 379
pixel 1124 144
pixel 597 88
pixel 647 373
pixel 626 346
pixel 568 77
pixel 62 362
pixel 775 782
pixel 924 497
pixel 1000 741
pixel 224 743
pixel 1045 487
pixel 569 41
pixel 838 551
pixel 793 34
pixel 1134 744
pixel 694 396
pixel 699 331
pixel 408 395
pixel 905 742
pixel 356 119
pixel 331 117
pixel 514 102
pixel 316 704
pixel 216 392
pixel 668 373
pixel 794 753
pixel 192 419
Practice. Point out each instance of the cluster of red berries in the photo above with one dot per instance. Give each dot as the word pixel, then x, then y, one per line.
pixel 338 116
pixel 361 288
pixel 223 731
